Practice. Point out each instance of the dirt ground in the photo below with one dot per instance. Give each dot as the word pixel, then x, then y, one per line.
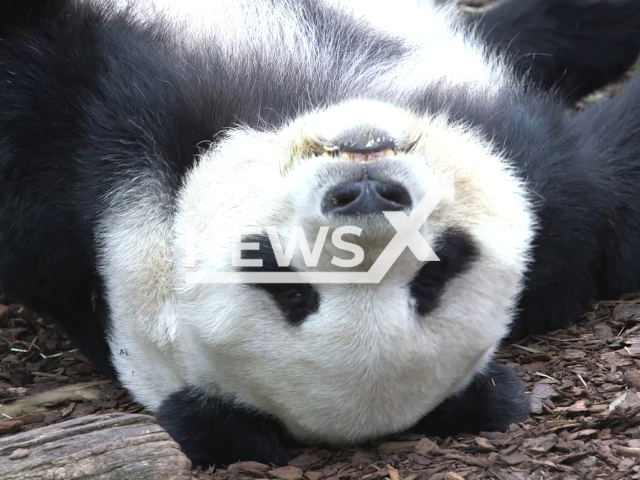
pixel 584 384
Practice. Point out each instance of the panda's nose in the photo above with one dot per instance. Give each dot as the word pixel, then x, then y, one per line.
pixel 366 196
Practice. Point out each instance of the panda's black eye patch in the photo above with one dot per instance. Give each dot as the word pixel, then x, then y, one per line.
pixel 456 252
pixel 297 300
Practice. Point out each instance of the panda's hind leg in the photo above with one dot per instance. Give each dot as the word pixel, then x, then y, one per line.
pixel 588 248
pixel 571 47
pixel 494 400
pixel 610 132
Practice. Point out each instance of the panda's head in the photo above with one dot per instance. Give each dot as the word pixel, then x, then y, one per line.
pixel 345 362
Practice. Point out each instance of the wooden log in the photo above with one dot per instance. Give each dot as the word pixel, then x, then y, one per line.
pixel 114 446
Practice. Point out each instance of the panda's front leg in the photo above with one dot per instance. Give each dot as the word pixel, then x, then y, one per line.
pixel 569 47
pixel 144 339
pixel 493 400
pixel 212 430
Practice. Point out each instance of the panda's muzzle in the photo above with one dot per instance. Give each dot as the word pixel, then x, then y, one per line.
pixel 366 196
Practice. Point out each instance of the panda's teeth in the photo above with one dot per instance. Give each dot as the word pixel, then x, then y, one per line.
pixel 389 153
pixel 358 157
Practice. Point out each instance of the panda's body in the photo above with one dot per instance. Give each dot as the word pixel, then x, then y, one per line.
pixel 137 142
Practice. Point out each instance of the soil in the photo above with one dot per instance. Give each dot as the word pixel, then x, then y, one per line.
pixel 584 385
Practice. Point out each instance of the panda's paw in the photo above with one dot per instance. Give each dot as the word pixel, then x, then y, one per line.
pixel 494 400
pixel 212 431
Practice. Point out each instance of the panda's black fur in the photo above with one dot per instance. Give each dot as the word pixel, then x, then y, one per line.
pixel 90 101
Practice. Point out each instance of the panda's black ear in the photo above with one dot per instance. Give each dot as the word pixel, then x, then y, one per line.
pixel 20 14
pixel 213 431
pixel 494 400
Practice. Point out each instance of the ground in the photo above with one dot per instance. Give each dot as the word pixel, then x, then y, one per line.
pixel 583 383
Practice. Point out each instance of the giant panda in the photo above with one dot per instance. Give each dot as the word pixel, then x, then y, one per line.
pixel 149 149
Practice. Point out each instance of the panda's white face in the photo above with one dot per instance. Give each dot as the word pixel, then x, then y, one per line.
pixel 347 362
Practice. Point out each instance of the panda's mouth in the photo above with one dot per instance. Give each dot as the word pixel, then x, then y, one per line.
pixel 362 147
pixel 360 156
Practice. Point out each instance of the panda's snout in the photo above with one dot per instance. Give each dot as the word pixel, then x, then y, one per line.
pixel 366 196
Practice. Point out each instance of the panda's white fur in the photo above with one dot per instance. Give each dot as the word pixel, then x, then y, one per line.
pixel 366 364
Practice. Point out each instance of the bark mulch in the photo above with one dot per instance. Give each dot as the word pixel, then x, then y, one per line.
pixel 584 384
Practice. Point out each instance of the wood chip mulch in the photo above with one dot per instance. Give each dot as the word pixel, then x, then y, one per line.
pixel 584 384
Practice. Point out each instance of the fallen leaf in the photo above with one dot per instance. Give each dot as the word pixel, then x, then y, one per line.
pixel 527 349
